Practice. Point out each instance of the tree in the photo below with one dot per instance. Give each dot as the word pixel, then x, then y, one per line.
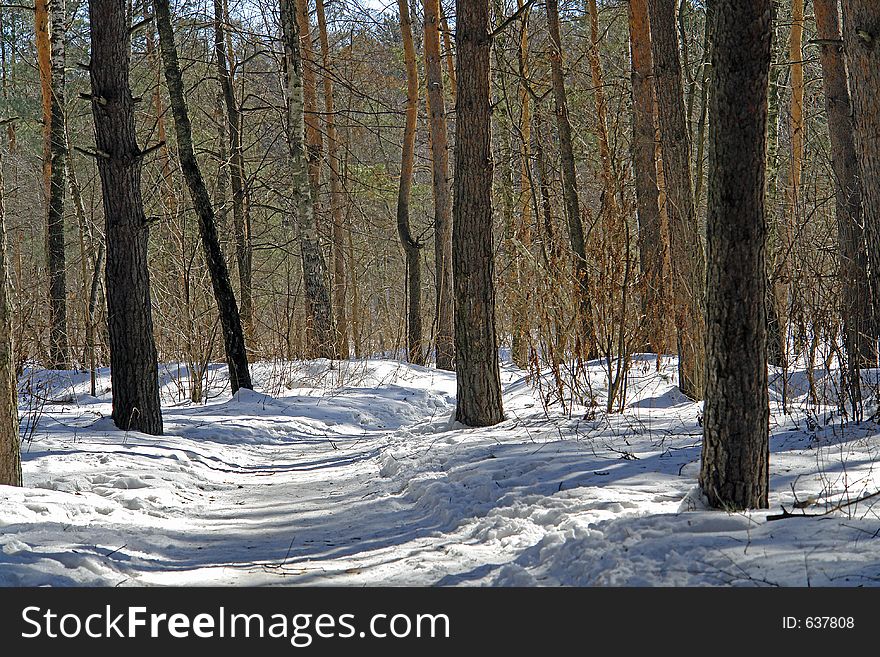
pixel 685 244
pixel 855 297
pixel 861 43
pixel 653 233
pixel 476 345
pixel 301 201
pixel 133 368
pixel 230 320
pixel 735 457
pixel 586 328
pixel 445 341
pixel 411 246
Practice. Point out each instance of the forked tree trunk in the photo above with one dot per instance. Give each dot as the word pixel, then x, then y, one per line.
pixel 230 320
pixel 586 335
pixel 735 458
pixel 411 246
pixel 133 369
pixel 476 344
pixel 445 340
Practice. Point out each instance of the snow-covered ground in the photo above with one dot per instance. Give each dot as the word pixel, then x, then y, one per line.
pixel 355 475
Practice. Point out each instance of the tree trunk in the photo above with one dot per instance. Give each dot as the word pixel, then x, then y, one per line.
pixel 861 36
pixel 230 320
pixel 450 53
pixel 411 246
pixel 476 345
pixel 314 269
pixel 685 244
pixel 855 299
pixel 241 220
pixel 653 238
pixel 445 340
pixel 310 101
pixel 10 443
pixel 133 368
pixel 735 457
pixel 586 337
pixel 337 199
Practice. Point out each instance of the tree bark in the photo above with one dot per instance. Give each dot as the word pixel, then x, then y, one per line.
pixel 241 220
pixel 653 235
pixel 735 457
pixel 476 345
pixel 861 37
pixel 855 296
pixel 445 341
pixel 685 244
pixel 230 320
pixel 314 269
pixel 337 199
pixel 586 337
pixel 314 139
pixel 411 246
pixel 133 368
pixel 10 443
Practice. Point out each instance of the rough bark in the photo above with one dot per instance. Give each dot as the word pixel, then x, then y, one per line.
pixel 685 243
pixel 735 457
pixel 241 220
pixel 411 246
pixel 586 337
pixel 855 293
pixel 317 295
pixel 861 35
pixel 230 320
pixel 10 444
pixel 653 238
pixel 337 199
pixel 476 344
pixel 133 369
pixel 445 341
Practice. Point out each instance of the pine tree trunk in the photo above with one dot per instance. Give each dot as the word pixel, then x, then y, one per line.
pixel 861 36
pixel 411 246
pixel 337 199
pixel 735 457
pixel 653 239
pixel 445 340
pixel 230 320
pixel 10 444
pixel 587 333
pixel 855 297
pixel 56 265
pixel 317 295
pixel 241 220
pixel 685 243
pixel 476 345
pixel 133 368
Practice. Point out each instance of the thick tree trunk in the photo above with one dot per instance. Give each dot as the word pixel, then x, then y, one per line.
pixel 586 337
pixel 735 457
pixel 855 297
pixel 445 340
pixel 230 320
pixel 653 236
pixel 476 345
pixel 317 295
pixel 10 443
pixel 133 369
pixel 685 243
pixel 411 246
pixel 337 200
pixel 241 220
pixel 57 167
pixel 861 36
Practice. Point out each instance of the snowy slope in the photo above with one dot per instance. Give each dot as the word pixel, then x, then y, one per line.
pixel 356 475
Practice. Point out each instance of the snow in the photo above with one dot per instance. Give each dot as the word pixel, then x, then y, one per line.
pixel 356 474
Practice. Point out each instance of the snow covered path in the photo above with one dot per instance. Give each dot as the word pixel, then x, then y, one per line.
pixel 357 477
